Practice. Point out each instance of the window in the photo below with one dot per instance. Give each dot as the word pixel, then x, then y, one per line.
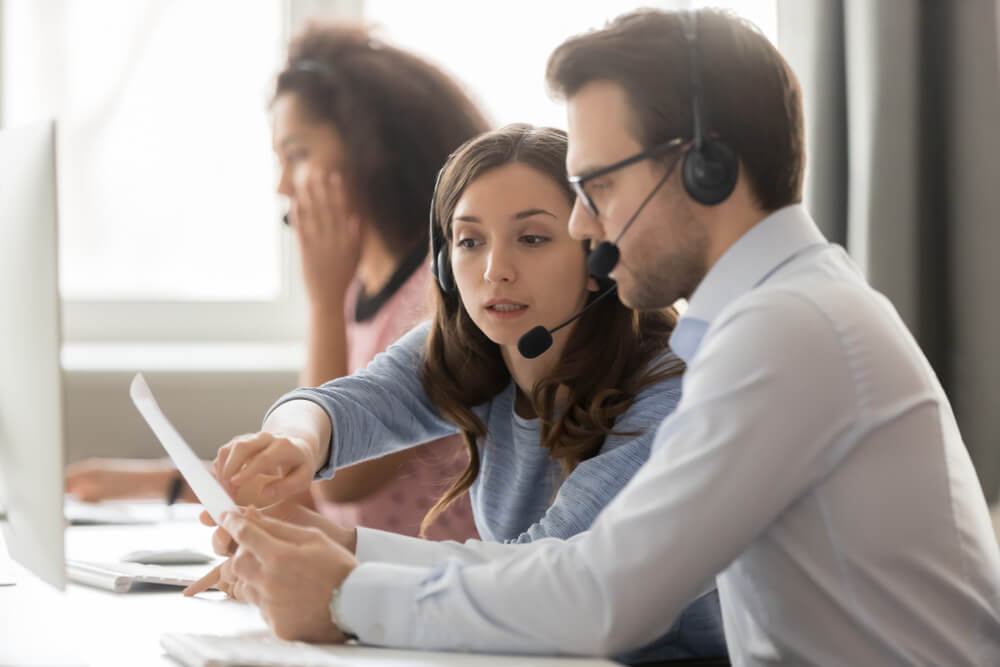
pixel 499 49
pixel 166 183
pixel 169 221
pixel 169 224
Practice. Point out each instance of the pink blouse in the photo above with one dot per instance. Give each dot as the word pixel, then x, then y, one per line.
pixel 401 504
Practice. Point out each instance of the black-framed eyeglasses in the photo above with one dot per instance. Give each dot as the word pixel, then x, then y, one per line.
pixel 578 183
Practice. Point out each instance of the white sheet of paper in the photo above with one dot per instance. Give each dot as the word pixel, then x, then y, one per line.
pixel 208 490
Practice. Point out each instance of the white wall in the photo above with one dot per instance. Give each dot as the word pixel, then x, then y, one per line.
pixel 206 407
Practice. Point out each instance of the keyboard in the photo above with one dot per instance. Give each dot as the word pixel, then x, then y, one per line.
pixel 252 649
pixel 100 514
pixel 124 577
pixel 126 512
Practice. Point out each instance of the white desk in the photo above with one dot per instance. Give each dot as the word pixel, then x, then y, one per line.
pixel 88 626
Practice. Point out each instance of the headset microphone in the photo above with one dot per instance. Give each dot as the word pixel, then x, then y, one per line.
pixel 538 340
pixel 603 259
pixel 605 256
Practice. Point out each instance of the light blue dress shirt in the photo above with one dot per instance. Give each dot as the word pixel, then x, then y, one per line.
pixel 813 468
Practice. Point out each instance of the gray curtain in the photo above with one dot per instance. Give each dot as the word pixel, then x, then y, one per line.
pixel 902 102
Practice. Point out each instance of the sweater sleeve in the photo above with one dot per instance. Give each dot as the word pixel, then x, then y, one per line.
pixel 379 410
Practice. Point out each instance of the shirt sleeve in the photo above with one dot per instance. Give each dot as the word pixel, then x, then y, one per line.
pixel 379 410
pixel 751 433
pixel 386 547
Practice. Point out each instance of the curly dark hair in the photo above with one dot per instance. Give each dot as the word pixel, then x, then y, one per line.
pixel 398 116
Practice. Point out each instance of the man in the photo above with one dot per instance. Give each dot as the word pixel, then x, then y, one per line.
pixel 813 468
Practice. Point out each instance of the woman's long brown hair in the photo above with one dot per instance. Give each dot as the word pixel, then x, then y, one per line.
pixel 607 359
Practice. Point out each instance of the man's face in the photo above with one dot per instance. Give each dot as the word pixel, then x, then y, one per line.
pixel 663 254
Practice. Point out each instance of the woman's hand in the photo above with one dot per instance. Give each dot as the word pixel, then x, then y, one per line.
pixel 329 236
pixel 288 463
pixel 98 479
pixel 288 571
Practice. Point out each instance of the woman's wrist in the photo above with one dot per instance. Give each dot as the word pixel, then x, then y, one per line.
pixel 315 452
pixel 328 307
pixel 306 424
pixel 152 483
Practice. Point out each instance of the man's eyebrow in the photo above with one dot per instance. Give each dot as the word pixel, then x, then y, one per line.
pixel 586 171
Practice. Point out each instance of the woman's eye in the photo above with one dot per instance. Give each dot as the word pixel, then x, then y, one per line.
pixel 534 239
pixel 467 243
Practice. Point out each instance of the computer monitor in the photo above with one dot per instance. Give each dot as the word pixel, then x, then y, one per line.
pixel 31 389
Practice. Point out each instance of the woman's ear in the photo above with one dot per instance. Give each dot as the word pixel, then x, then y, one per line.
pixel 592 285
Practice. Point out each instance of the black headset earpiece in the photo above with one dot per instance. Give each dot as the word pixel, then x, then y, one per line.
pixel 710 168
pixel 440 265
pixel 710 172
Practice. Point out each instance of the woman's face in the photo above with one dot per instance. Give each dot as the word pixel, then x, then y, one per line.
pixel 514 262
pixel 303 146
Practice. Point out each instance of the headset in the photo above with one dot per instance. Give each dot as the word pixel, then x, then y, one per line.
pixel 440 264
pixel 709 174
pixel 709 171
pixel 537 340
pixel 710 168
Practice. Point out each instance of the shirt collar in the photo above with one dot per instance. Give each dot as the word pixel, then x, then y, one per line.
pixel 746 264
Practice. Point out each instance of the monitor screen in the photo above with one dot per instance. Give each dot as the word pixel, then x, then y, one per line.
pixel 31 393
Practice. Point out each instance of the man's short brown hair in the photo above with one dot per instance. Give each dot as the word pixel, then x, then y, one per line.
pixel 750 97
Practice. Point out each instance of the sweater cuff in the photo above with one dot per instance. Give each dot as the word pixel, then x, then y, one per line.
pixel 326 470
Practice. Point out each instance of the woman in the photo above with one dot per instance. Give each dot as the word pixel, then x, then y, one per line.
pixel 551 439
pixel 360 129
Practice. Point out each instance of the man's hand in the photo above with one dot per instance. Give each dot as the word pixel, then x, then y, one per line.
pixel 288 571
pixel 290 511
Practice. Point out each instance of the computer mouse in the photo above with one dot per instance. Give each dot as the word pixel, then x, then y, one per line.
pixel 167 557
